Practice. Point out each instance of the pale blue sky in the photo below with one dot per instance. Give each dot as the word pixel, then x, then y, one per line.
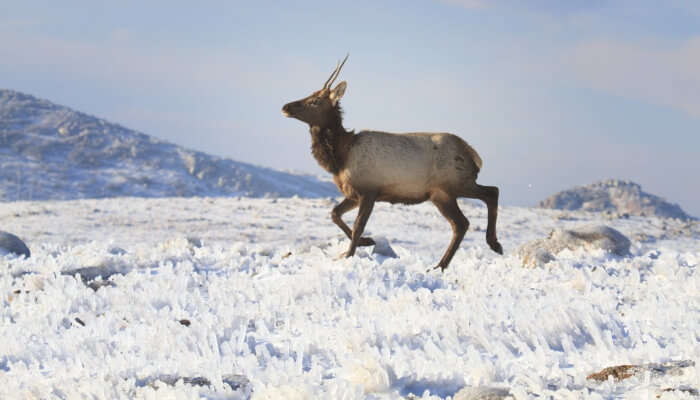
pixel 552 94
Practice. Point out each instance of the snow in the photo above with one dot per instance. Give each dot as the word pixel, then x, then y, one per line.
pixel 274 314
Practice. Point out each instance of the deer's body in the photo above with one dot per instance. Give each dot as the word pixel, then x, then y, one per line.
pixel 405 168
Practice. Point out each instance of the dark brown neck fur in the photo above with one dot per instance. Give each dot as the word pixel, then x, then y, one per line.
pixel 330 144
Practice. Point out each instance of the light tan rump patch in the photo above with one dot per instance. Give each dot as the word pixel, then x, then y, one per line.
pixel 474 154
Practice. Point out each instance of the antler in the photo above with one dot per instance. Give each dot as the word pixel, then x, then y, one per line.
pixel 335 73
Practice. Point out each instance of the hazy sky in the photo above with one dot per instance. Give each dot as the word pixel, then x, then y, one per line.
pixel 551 93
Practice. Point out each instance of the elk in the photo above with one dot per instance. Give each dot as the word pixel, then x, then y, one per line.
pixel 409 168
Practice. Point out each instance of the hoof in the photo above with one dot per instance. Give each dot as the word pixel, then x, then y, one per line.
pixel 346 254
pixel 366 241
pixel 442 268
pixel 495 246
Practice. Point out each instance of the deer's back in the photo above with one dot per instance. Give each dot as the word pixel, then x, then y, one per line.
pixel 407 167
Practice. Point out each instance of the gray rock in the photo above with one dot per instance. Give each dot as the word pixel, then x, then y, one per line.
pixel 171 380
pixel 382 247
pixel 615 198
pixel 680 389
pixel 11 244
pixel 542 251
pixel 116 251
pixel 483 393
pixel 234 381
pixel 193 241
pixel 237 382
pixel 94 277
pixel 88 274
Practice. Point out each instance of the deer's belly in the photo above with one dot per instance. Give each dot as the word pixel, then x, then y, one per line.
pixel 396 181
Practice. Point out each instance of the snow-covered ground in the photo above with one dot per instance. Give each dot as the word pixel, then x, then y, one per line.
pixel 244 298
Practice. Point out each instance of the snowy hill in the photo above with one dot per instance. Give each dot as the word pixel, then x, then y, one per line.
pixel 49 151
pixel 239 298
pixel 614 196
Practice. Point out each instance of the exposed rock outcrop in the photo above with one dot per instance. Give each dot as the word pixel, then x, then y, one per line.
pixel 616 197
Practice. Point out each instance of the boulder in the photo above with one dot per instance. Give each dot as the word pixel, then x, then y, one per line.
pixel 542 251
pixel 483 393
pixel 11 244
pixel 383 248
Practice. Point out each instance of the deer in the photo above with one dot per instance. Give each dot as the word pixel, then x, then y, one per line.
pixel 407 168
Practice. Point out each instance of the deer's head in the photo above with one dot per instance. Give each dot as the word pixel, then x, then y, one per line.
pixel 320 108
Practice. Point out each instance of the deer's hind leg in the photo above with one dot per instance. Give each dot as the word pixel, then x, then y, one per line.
pixel 337 214
pixel 489 195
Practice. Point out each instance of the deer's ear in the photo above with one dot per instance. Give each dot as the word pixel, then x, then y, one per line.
pixel 338 92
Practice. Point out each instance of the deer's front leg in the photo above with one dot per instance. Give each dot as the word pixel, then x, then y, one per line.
pixel 366 205
pixel 450 210
pixel 337 214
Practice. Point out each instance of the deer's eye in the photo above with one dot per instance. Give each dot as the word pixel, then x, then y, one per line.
pixel 315 101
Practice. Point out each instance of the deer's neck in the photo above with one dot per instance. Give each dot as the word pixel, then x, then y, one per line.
pixel 329 146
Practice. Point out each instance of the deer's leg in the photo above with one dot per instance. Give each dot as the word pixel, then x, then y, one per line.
pixel 489 195
pixel 450 210
pixel 366 205
pixel 337 214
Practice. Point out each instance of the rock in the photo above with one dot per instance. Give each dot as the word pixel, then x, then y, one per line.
pixel 682 389
pixel 483 393
pixel 194 242
pixel 234 381
pixel 542 251
pixel 90 273
pixel 622 372
pixel 116 251
pixel 618 372
pixel 11 244
pixel 97 284
pixel 615 198
pixel 171 380
pixel 93 277
pixel 382 247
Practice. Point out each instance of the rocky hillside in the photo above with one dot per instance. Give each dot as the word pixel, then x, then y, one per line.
pixel 614 196
pixel 48 151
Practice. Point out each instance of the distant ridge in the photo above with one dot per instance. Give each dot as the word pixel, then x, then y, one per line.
pixel 614 195
pixel 50 152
